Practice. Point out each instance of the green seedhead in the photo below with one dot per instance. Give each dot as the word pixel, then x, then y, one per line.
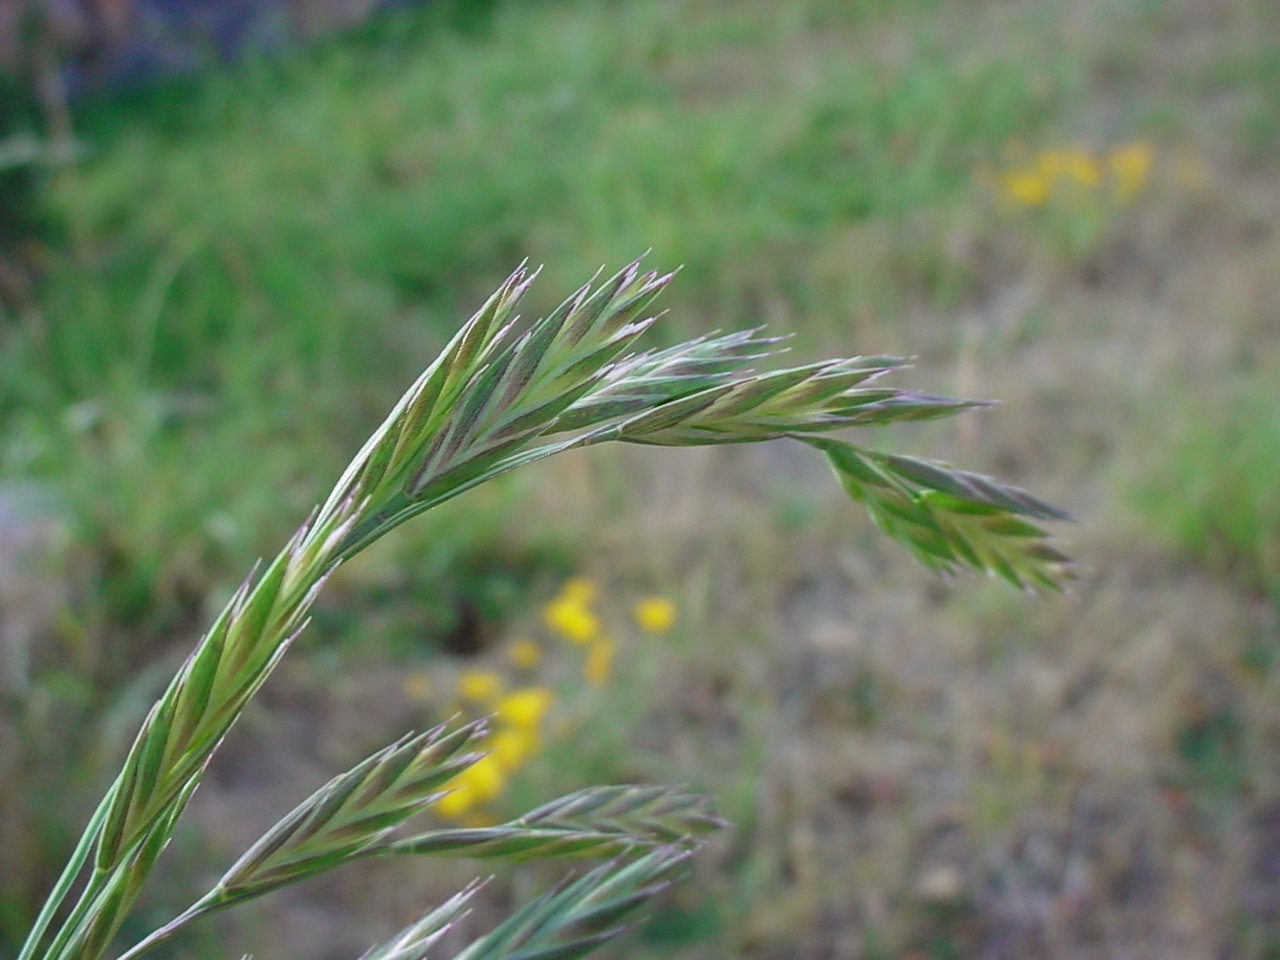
pixel 504 393
pixel 350 815
pixel 574 920
pixel 597 822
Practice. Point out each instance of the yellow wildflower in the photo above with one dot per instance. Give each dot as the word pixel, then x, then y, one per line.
pixel 1025 188
pixel 655 614
pixel 1131 168
pixel 479 686
pixel 484 779
pixel 599 663
pixel 1080 167
pixel 579 590
pixel 1048 173
pixel 525 654
pixel 525 708
pixel 513 746
pixel 572 619
pixel 480 782
pixel 417 686
pixel 455 804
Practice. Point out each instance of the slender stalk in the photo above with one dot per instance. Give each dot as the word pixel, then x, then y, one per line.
pixel 157 937
pixel 79 857
pixel 90 899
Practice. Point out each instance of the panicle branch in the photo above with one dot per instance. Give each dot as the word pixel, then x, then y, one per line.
pixel 582 915
pixel 352 813
pixel 502 394
pixel 949 518
pixel 567 922
pixel 348 817
pixel 415 941
pixel 597 822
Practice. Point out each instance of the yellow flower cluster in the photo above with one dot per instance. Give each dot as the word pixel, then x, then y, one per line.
pixel 517 736
pixel 655 614
pixel 571 615
pixel 519 712
pixel 1074 175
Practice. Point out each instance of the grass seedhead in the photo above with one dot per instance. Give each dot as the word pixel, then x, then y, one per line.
pixel 503 394
pixel 950 518
pixel 581 915
pixel 352 813
pixel 415 941
pixel 597 822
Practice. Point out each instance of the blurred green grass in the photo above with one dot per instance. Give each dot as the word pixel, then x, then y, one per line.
pixel 342 220
pixel 265 256
pixel 248 267
pixel 1215 491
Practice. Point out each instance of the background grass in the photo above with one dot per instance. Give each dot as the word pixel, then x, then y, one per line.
pixel 247 268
